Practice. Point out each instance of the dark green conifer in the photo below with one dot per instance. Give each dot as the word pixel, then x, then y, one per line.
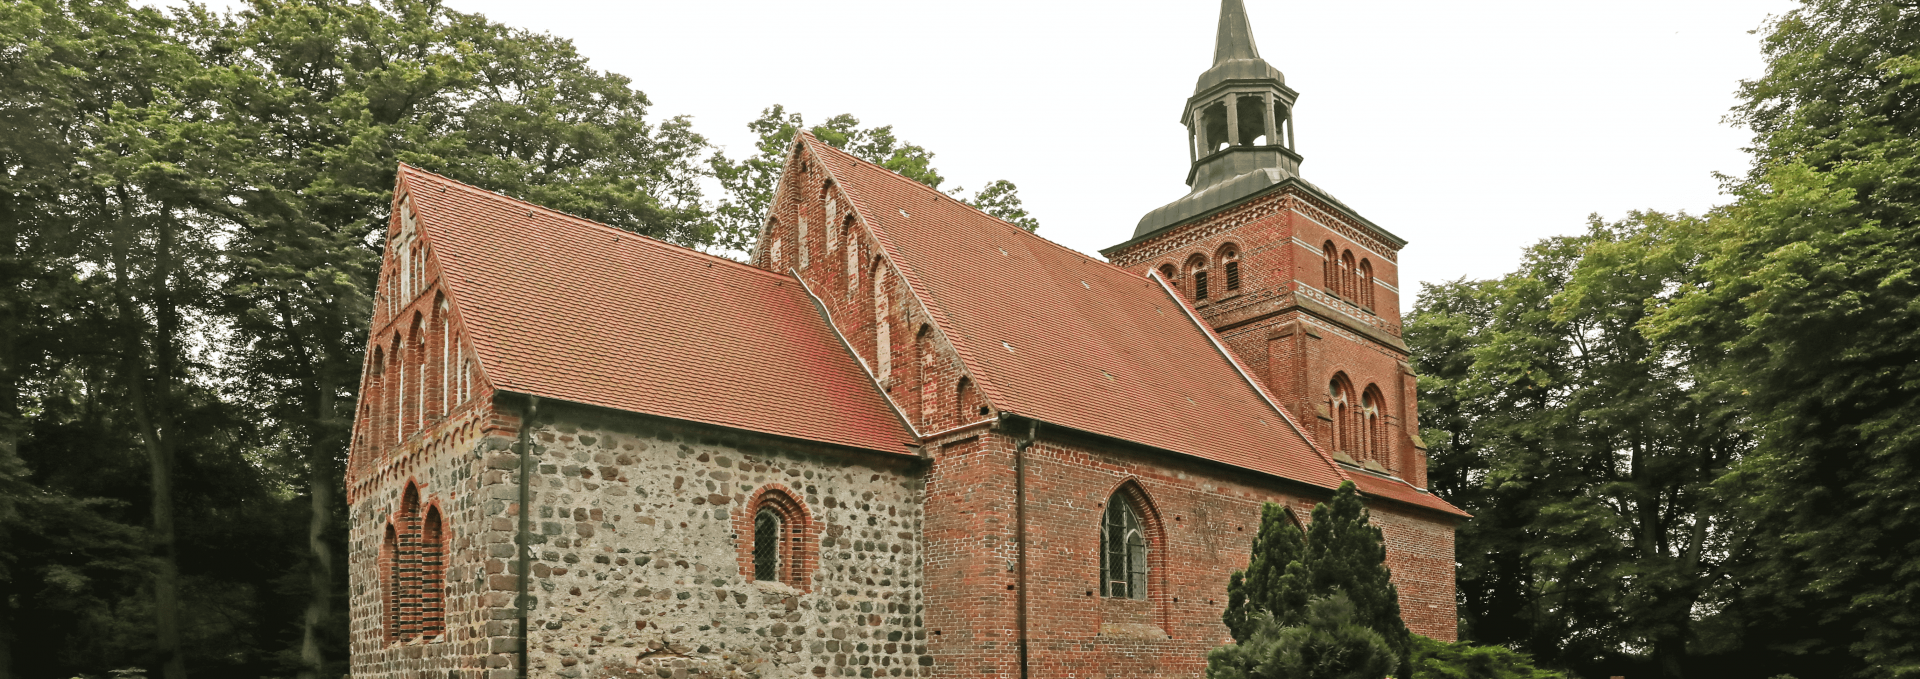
pixel 1346 553
pixel 1274 581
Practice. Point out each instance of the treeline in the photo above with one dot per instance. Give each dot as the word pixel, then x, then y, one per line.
pixel 1692 443
pixel 192 207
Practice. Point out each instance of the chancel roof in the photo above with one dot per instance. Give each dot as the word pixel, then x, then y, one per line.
pixel 561 307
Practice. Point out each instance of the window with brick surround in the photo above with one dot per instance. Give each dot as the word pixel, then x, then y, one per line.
pixel 1330 268
pixel 1230 267
pixel 1340 409
pixel 1123 550
pixel 1197 270
pixel 766 545
pixel 1365 298
pixel 1170 275
pixel 1374 426
pixel 1348 288
pixel 413 570
pixel 781 548
pixel 433 576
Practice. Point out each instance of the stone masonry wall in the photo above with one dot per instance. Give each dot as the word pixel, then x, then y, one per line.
pixel 638 566
pixel 449 465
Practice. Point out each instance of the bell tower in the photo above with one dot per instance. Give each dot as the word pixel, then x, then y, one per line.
pixel 1240 117
pixel 1298 285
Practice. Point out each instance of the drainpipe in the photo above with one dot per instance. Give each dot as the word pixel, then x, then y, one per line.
pixel 525 537
pixel 1020 529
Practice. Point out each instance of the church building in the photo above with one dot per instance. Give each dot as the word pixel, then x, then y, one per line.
pixel 906 439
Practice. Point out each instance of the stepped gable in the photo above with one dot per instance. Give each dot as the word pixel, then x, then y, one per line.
pixel 1055 335
pixel 564 308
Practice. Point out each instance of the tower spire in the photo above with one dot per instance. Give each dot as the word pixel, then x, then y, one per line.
pixel 1239 126
pixel 1235 40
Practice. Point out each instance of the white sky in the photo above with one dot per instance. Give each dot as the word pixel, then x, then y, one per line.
pixel 1471 128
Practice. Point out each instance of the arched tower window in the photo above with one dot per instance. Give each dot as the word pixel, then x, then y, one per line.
pixel 1330 268
pixel 1171 275
pixel 1347 285
pixel 1366 284
pixel 782 549
pixel 1252 117
pixel 1375 425
pixel 1123 549
pixel 1213 128
pixel 1230 267
pixel 1197 271
pixel 1340 408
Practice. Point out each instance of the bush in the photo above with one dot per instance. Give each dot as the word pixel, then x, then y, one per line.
pixel 1461 660
pixel 1331 644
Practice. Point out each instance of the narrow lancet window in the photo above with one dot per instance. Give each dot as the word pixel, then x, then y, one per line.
pixel 1123 553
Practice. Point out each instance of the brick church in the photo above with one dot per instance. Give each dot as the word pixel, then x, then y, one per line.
pixel 907 439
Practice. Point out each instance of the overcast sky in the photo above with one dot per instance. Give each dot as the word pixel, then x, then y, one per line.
pixel 1470 128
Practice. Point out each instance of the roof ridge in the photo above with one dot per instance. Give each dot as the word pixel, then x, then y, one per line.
pixel 645 240
pixel 1009 225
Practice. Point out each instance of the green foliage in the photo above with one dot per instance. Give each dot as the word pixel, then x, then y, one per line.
pixel 1001 199
pixel 1332 641
pixel 749 183
pixel 1462 660
pixel 192 219
pixel 1275 580
pixel 1586 452
pixel 1806 298
pixel 1347 554
pixel 1341 555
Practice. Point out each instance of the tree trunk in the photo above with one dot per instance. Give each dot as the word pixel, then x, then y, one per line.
pixel 320 479
pixel 151 415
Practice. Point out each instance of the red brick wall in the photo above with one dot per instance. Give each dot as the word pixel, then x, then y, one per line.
pixel 1270 327
pixel 1206 516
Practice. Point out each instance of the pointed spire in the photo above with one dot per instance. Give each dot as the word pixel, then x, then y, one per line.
pixel 1235 40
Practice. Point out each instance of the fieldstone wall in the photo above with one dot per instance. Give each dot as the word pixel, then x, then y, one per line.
pixel 638 568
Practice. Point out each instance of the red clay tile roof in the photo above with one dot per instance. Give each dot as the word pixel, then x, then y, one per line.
pixel 561 307
pixel 1055 335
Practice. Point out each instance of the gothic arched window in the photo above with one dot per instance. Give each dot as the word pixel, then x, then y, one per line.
pixel 1123 550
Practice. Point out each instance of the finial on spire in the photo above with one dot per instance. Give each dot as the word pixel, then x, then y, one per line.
pixel 1235 40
